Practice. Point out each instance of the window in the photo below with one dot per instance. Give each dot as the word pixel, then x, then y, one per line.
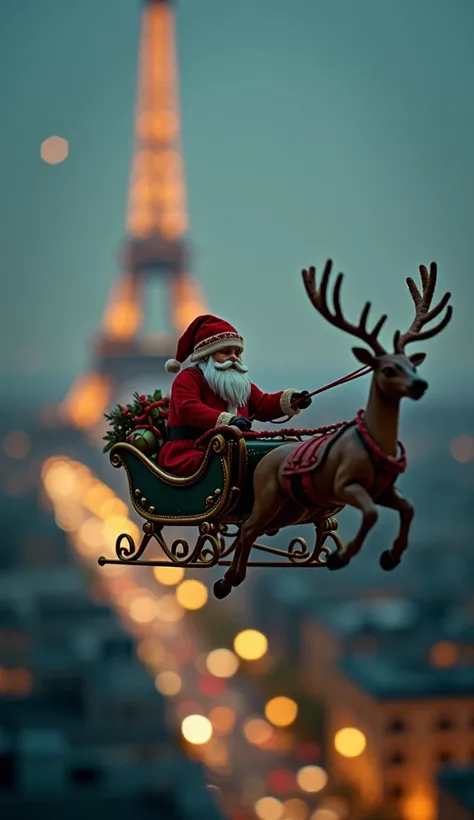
pixel 7 771
pixel 396 726
pixel 85 776
pixel 444 724
pixel 395 792
pixel 396 759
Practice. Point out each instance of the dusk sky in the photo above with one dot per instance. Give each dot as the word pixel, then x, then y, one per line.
pixel 311 128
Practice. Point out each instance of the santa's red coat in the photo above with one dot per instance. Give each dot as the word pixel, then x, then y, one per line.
pixel 194 404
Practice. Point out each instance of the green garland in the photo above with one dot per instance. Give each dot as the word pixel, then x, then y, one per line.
pixel 145 416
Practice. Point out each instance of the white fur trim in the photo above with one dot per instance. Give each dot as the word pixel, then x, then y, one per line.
pixel 221 344
pixel 285 402
pixel 173 366
pixel 224 419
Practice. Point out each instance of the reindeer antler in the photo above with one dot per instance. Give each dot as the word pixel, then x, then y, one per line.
pixel 318 299
pixel 423 314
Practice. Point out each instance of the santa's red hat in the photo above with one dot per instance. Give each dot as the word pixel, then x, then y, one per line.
pixel 205 335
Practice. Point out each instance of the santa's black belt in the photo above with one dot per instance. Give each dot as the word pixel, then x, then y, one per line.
pixel 179 433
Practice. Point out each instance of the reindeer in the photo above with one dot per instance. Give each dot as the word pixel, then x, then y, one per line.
pixel 348 471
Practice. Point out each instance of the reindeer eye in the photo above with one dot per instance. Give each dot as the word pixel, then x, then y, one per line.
pixel 389 371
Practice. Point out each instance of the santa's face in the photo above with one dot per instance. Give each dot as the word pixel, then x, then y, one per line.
pixel 227 376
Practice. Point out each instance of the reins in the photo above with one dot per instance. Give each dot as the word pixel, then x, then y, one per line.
pixel 361 371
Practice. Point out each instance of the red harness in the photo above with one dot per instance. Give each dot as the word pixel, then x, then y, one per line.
pixel 306 458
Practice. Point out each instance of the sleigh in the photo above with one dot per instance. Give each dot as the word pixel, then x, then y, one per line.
pixel 216 500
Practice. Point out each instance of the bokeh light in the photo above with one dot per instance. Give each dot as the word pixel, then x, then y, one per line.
pixel 312 778
pixel 325 814
pixel 196 729
pixel 211 686
pixel 143 609
pixel 16 444
pixel 444 654
pixel 281 711
pixel 295 809
pixel 269 808
pixel 462 448
pixel 281 781
pixel 350 742
pixel 338 806
pixel 257 731
pixel 222 663
pixel 419 806
pixel 151 651
pixel 168 683
pixel 222 719
pixel 250 644
pixel 54 150
pixel 192 594
pixel 168 576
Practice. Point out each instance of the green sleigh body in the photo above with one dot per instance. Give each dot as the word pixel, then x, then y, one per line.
pixel 216 500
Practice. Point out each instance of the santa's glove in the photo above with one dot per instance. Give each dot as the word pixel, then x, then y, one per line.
pixel 300 401
pixel 241 423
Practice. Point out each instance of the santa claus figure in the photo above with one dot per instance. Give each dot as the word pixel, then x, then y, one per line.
pixel 214 391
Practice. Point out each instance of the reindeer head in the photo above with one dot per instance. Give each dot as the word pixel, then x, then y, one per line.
pixel 395 373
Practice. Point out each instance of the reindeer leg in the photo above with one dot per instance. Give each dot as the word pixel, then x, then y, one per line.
pixel 355 496
pixel 392 499
pixel 269 498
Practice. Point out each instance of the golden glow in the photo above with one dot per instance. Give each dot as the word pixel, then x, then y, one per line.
pixel 150 651
pixel 168 576
pixel 187 301
pixel 257 731
pixel 168 683
pixel 17 682
pixel 87 401
pixel 311 778
pixel 295 809
pixel 17 444
pixel 192 594
pixel 250 645
pixel 222 663
pixel 419 806
pixel 143 609
pixel 268 808
pixel 216 755
pixel 325 814
pixel 170 611
pixel 462 448
pixel 54 150
pixel 281 711
pixel 350 742
pixel 196 729
pixel 157 204
pixel 222 719
pixel 123 316
pixel 444 654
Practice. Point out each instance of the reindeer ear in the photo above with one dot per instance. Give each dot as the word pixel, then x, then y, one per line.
pixel 417 358
pixel 364 356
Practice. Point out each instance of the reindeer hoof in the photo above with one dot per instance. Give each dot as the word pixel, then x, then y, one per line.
pixel 335 561
pixel 388 561
pixel 222 589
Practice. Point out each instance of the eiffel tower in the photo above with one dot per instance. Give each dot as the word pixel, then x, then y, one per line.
pixel 155 248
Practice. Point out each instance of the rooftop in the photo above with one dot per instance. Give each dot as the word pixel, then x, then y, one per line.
pixel 459 783
pixel 388 677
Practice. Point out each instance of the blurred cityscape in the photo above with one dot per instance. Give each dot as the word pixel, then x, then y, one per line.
pixel 306 695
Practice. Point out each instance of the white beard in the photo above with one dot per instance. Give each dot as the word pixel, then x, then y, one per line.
pixel 232 385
